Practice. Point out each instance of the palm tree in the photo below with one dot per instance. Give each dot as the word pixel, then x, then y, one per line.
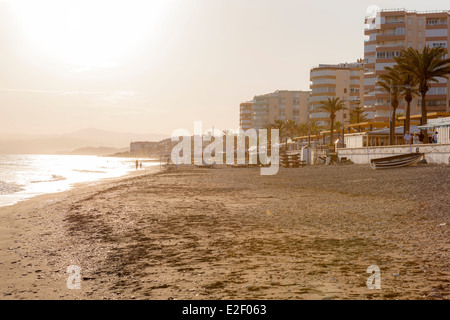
pixel 281 126
pixel 426 66
pixel 269 128
pixel 398 115
pixel 332 105
pixel 390 84
pixel 338 125
pixel 291 129
pixel 357 115
pixel 302 129
pixel 315 126
pixel 409 83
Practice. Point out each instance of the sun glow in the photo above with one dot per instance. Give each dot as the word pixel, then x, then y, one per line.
pixel 89 33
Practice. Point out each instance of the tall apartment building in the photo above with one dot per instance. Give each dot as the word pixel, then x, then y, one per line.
pixel 387 34
pixel 280 105
pixel 246 115
pixel 344 81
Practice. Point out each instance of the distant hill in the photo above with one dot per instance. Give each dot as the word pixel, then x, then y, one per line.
pixel 113 139
pixel 99 151
pixel 67 143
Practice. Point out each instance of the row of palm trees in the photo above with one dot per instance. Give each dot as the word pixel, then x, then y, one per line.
pixel 410 77
pixel 290 129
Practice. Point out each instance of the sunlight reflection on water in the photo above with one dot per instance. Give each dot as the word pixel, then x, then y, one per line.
pixel 25 176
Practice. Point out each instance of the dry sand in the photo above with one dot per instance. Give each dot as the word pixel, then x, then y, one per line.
pixel 307 233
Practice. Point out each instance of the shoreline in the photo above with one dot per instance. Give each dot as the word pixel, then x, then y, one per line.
pixel 22 223
pixel 224 233
pixel 131 173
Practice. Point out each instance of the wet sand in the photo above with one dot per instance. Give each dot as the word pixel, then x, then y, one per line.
pixel 190 233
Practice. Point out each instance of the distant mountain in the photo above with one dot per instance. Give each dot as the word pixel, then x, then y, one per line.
pixel 66 143
pixel 113 139
pixel 99 151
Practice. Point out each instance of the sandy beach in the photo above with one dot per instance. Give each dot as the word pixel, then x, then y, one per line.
pixel 191 233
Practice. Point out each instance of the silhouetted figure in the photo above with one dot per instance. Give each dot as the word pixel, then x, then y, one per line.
pixel 140 165
pixel 421 137
pixel 137 164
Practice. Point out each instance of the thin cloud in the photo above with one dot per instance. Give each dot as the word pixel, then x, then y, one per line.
pixel 116 95
pixel 119 97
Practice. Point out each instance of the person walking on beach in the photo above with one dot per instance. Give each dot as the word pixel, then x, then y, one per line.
pixel 140 165
pixel 137 164
pixel 407 138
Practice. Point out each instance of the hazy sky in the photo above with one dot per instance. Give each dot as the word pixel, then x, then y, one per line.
pixel 157 65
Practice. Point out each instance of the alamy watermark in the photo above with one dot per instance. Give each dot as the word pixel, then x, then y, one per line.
pixel 374 281
pixel 235 153
pixel 74 278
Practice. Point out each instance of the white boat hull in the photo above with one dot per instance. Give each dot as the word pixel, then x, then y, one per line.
pixel 396 161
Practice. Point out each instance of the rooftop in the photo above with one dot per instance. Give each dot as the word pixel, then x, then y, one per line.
pixel 407 11
pixel 346 65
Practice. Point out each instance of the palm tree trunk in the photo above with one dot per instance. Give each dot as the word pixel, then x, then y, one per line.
pixel 408 116
pixel 424 109
pixel 392 127
pixel 332 133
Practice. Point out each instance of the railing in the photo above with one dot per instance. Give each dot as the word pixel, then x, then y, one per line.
pixel 390 45
pixel 409 11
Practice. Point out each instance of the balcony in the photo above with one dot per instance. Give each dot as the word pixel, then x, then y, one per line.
pixel 389 37
pixel 391 45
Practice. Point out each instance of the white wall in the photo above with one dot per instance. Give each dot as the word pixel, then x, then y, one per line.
pixel 443 134
pixel 434 153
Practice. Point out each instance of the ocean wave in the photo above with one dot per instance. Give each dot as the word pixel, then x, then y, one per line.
pixel 58 178
pixel 9 187
pixel 54 178
pixel 88 171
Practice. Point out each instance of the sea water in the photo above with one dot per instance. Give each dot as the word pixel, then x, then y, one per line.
pixel 26 176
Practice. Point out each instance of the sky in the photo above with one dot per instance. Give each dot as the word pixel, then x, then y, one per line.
pixel 154 66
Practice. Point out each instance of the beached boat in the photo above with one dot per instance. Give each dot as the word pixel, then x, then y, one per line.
pixel 402 160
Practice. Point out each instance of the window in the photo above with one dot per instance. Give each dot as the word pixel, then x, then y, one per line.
pixel 420 34
pixel 432 22
pixel 387 55
pixel 323 81
pixel 432 103
pixel 323 90
pixel 438 44
pixel 345 90
pixel 437 90
pixel 400 31
pixel 436 33
pixel 436 103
